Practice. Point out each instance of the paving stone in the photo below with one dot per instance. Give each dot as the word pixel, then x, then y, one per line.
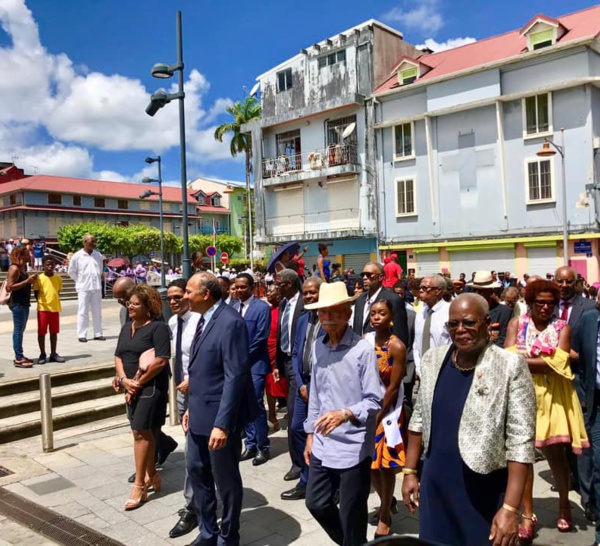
pixel 72 510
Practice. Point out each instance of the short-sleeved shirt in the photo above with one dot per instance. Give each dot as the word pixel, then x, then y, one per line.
pixel 38 250
pixel 48 289
pixel 154 335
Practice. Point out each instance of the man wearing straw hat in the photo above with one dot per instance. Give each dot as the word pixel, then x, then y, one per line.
pixel 345 397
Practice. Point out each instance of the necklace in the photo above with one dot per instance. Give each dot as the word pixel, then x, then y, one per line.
pixel 455 363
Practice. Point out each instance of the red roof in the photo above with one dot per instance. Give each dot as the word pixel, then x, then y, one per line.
pixel 216 210
pixel 578 25
pixel 123 212
pixel 84 186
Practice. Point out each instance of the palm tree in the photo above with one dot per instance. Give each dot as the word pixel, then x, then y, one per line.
pixel 242 112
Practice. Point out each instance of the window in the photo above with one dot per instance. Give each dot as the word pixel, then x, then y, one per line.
pixel 289 152
pixel 12 200
pixel 144 205
pixel 408 75
pixel 539 181
pixel 201 200
pixel 215 201
pixel 332 58
pixel 405 197
pixel 122 204
pixel 99 202
pixel 54 199
pixel 544 38
pixel 77 200
pixel 538 115
pixel 403 141
pixel 284 80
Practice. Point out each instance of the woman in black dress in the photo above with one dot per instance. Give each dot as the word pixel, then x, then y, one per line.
pixel 141 358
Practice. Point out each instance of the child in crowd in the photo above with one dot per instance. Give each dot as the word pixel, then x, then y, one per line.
pixel 47 289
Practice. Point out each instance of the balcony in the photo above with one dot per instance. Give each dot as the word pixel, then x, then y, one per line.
pixel 207 230
pixel 333 223
pixel 333 160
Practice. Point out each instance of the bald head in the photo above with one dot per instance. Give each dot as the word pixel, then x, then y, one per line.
pixel 122 287
pixel 473 302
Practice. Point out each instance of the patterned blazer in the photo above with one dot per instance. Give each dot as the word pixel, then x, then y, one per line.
pixel 499 416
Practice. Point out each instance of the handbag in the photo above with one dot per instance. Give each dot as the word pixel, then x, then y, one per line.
pixel 4 294
pixel 146 358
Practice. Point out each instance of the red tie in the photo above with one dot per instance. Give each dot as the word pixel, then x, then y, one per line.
pixel 565 312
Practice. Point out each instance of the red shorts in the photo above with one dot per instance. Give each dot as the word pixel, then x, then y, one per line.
pixel 48 320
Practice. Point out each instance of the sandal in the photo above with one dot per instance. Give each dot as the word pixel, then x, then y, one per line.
pixel 526 535
pixel 564 525
pixel 154 483
pixel 22 363
pixel 132 503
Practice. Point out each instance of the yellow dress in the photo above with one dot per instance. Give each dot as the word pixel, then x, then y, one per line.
pixel 559 415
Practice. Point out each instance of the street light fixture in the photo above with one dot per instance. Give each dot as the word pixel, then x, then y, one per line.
pixel 547 151
pixel 145 195
pixel 159 99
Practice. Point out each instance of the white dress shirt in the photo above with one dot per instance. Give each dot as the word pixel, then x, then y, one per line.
pixel 246 305
pixel 86 270
pixel 368 304
pixel 439 334
pixel 190 322
pixel 293 301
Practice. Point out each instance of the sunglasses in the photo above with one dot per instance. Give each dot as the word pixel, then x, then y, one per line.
pixel 367 275
pixel 466 324
pixel 174 298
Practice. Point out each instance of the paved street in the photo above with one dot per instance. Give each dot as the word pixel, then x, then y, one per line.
pixel 85 477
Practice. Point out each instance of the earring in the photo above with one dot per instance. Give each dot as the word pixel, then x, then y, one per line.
pixel 391 324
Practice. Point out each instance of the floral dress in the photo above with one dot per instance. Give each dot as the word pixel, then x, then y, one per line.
pixel 559 415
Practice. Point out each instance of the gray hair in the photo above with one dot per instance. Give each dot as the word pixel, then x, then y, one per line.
pixel 289 275
pixel 437 281
pixel 377 265
pixel 313 280
pixel 475 299
pixel 210 283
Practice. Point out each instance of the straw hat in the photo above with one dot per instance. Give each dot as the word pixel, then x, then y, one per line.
pixel 330 295
pixel 484 279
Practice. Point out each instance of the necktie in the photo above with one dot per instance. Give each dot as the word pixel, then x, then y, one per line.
pixel 198 334
pixel 565 312
pixel 426 332
pixel 367 313
pixel 285 329
pixel 307 355
pixel 242 308
pixel 178 353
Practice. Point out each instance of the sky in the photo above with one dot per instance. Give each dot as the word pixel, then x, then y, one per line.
pixel 76 73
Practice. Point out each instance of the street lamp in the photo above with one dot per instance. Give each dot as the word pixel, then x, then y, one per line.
pixel 148 193
pixel 159 99
pixel 547 151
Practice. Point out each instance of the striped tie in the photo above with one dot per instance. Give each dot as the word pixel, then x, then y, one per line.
pixel 285 329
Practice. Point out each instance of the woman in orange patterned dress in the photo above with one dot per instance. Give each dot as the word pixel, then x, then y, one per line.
pixel 389 455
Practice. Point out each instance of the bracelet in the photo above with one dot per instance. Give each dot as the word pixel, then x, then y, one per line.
pixel 510 508
pixel 409 471
pixel 121 380
pixel 346 415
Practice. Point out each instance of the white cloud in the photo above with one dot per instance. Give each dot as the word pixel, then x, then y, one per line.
pixel 421 15
pixel 46 95
pixel 448 44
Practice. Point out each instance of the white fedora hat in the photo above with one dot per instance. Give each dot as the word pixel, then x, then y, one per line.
pixel 484 279
pixel 330 295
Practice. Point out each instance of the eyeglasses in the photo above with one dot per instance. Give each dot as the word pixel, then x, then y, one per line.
pixel 544 303
pixel 466 324
pixel 131 304
pixel 428 288
pixel 174 298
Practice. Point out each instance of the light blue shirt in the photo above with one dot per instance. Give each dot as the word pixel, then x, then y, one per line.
pixel 344 377
pixel 210 312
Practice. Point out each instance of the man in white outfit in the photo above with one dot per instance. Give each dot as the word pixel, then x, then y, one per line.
pixel 85 268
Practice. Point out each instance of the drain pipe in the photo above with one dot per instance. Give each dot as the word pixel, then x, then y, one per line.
pixel 46 411
pixel 173 413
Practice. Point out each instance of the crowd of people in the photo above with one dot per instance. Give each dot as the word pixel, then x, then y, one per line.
pixel 456 384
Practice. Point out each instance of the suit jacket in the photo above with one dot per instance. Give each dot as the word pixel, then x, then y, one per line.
pixel 281 357
pixel 258 323
pixel 499 416
pixel 409 376
pixel 400 328
pixel 298 350
pixel 580 306
pixel 221 391
pixel 585 342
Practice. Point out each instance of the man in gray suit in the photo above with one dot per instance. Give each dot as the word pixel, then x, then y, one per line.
pixel 570 308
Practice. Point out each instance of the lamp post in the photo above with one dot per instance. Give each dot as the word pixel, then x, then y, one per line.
pixel 148 193
pixel 157 101
pixel 547 151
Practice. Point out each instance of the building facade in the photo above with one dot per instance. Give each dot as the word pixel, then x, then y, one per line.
pixel 313 156
pixel 462 187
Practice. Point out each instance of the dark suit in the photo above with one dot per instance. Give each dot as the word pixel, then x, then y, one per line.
pixel 258 324
pixel 221 395
pixel 584 340
pixel 409 376
pixel 400 328
pixel 284 365
pixel 300 406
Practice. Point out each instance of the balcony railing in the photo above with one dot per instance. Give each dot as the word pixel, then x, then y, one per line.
pixel 207 230
pixel 316 222
pixel 324 158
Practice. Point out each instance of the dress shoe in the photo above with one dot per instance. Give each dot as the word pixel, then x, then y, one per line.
pixel 100 338
pixel 167 446
pixel 297 493
pixel 56 358
pixel 590 512
pixel 292 475
pixel 248 454
pixel 261 458
pixel 131 478
pixel 187 522
pixel 82 340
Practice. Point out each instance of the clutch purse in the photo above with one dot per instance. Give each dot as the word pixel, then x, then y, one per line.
pixel 146 358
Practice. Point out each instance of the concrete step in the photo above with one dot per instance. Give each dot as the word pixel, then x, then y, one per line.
pixel 18 404
pixel 68 291
pixel 29 424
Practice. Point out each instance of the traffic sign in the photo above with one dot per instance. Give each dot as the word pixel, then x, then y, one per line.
pixel 211 251
pixel 224 257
